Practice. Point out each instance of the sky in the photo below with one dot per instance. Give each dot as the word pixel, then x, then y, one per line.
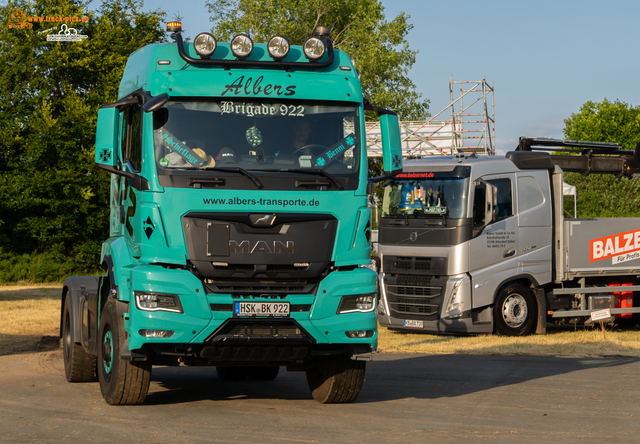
pixel 545 58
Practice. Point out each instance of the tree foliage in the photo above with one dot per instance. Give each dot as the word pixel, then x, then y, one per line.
pixel 53 202
pixel 604 195
pixel 358 27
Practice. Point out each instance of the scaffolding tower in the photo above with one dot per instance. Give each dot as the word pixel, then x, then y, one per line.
pixel 471 128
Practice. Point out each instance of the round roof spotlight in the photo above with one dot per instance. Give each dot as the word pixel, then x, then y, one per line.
pixel 205 44
pixel 314 48
pixel 241 46
pixel 278 47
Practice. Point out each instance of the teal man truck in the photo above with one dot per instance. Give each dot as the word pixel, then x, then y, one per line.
pixel 230 245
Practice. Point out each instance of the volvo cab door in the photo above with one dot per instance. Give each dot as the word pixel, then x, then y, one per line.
pixel 493 250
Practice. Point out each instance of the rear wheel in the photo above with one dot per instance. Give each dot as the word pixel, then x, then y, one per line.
pixel 515 312
pixel 121 382
pixel 79 366
pixel 336 379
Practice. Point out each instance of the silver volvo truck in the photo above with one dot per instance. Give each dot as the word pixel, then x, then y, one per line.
pixel 481 245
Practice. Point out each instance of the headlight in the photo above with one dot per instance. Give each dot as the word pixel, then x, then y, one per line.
pixel 314 48
pixel 241 46
pixel 278 47
pixel 357 303
pixel 158 302
pixel 205 44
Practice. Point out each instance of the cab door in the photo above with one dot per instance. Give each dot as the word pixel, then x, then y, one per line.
pixel 493 251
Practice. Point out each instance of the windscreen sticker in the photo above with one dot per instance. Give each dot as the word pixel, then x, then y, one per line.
pixel 335 151
pixel 621 247
pixel 182 149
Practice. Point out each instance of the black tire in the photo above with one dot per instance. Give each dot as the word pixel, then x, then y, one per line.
pixel 336 379
pixel 232 373
pixel 121 382
pixel 516 311
pixel 79 366
pixel 263 373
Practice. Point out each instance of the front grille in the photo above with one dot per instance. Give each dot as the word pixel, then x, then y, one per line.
pixel 259 288
pixel 414 296
pixel 433 266
pixel 404 290
pixel 268 331
pixel 413 280
pixel 413 306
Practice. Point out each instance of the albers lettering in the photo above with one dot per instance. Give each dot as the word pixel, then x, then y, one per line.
pixel 260 247
pixel 255 88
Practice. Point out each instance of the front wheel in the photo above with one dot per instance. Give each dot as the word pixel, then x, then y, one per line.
pixel 336 379
pixel 121 382
pixel 515 312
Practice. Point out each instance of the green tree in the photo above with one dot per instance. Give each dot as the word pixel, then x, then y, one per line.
pixel 604 195
pixel 358 27
pixel 53 202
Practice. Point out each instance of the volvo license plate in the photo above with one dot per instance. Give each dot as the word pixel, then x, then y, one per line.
pixel 270 309
pixel 413 323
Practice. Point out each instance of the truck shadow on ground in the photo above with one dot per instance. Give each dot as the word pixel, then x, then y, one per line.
pixel 390 377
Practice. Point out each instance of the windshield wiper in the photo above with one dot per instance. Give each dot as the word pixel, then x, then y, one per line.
pixel 242 171
pixel 312 171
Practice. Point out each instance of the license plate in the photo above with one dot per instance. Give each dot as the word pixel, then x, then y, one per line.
pixel 413 323
pixel 271 309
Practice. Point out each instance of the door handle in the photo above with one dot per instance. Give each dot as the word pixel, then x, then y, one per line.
pixel 509 253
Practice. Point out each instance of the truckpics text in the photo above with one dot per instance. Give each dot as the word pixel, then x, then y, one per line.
pixel 239 228
pixel 477 245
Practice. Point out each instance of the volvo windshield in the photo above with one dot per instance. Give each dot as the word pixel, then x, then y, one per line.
pixel 260 138
pixel 427 195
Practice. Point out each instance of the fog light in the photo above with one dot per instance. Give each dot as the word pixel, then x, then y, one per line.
pixel 278 47
pixel 204 44
pixel 158 302
pixel 357 303
pixel 156 333
pixel 241 46
pixel 359 334
pixel 314 49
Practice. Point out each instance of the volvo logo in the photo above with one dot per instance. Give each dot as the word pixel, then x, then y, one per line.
pixel 413 236
pixel 262 220
pixel 277 247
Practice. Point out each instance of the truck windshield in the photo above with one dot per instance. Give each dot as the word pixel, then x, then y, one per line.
pixel 257 135
pixel 426 195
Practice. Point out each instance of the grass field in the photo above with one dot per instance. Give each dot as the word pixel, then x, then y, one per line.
pixel 30 321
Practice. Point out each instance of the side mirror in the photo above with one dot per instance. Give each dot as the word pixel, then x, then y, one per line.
pixel 107 137
pixel 155 103
pixel 391 145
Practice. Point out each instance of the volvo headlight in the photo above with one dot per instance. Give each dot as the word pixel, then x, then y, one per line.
pixel 357 303
pixel 314 48
pixel 241 46
pixel 205 44
pixel 148 301
pixel 278 47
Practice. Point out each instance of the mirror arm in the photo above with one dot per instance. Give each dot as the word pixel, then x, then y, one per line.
pixel 138 182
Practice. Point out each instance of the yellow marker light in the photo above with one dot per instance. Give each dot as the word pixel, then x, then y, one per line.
pixel 174 27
